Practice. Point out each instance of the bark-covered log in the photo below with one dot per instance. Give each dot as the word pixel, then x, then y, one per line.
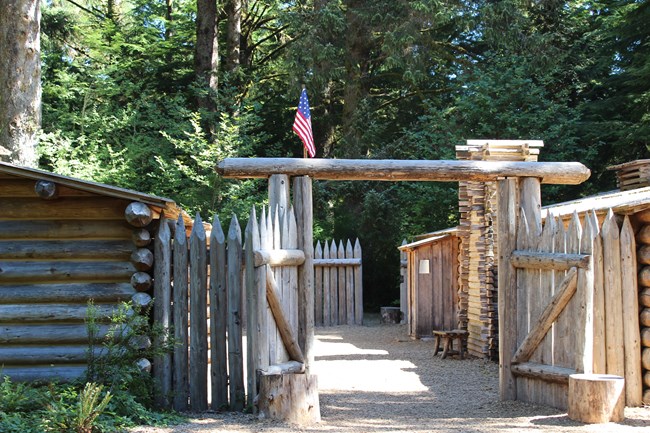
pixel 138 214
pixel 59 250
pixel 68 292
pixel 64 229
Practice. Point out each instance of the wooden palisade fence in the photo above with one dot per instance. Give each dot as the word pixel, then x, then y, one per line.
pixel 338 284
pixel 570 290
pixel 228 282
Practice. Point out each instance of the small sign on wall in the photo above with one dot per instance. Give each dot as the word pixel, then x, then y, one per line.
pixel 423 267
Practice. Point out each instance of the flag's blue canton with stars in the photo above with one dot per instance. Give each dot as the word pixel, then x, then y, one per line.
pixel 302 124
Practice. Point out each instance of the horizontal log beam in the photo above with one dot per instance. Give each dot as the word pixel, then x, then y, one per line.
pixel 61 250
pixel 290 367
pixel 79 292
pixel 548 373
pixel 20 313
pixel 337 262
pixel 569 173
pixel 548 261
pixel 92 208
pixel 63 373
pixel 54 333
pixel 32 272
pixel 62 229
pixel 279 257
pixel 33 355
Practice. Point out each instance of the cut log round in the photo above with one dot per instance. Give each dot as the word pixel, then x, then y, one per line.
pixel 646 397
pixel 142 259
pixel 46 190
pixel 644 317
pixel 141 281
pixel 643 237
pixel 646 381
pixel 645 358
pixel 138 214
pixel 596 398
pixel 141 237
pixel 643 217
pixel 644 297
pixel 643 255
pixel 144 365
pixel 644 276
pixel 289 397
pixel 645 337
pixel 141 300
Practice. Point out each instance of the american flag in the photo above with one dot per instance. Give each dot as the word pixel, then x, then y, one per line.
pixel 302 124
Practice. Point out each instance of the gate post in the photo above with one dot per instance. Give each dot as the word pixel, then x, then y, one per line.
pixel 507 202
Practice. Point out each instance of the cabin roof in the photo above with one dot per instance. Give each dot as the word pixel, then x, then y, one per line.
pixel 621 202
pixel 429 239
pixel 171 210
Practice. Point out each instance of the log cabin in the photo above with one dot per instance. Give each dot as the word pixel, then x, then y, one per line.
pixel 63 243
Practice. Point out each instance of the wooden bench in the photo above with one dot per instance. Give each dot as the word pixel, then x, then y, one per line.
pixel 448 338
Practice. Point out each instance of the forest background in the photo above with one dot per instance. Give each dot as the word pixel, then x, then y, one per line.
pixel 151 94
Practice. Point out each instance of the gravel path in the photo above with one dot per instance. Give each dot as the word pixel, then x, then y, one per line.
pixel 375 379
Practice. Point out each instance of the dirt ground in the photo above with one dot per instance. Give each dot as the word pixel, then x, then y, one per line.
pixel 373 378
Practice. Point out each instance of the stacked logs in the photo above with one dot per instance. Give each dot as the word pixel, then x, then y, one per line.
pixel 643 257
pixel 140 216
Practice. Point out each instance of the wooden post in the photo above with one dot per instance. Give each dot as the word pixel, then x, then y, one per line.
pixel 599 346
pixel 585 354
pixel 506 221
pixel 631 330
pixel 235 356
pixel 181 361
pixel 290 397
pixel 403 285
pixel 358 286
pixel 162 311
pixel 327 295
pixel 198 318
pixel 252 361
pixel 305 224
pixel 218 317
pixel 613 296
pixel 349 285
pixel 318 283
pixel 343 304
pixel 334 282
pixel 262 306
pixel 279 193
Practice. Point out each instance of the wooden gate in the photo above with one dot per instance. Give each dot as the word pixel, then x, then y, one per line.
pixel 553 283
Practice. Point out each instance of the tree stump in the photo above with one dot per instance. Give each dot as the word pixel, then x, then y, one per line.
pixel 596 398
pixel 289 397
pixel 390 314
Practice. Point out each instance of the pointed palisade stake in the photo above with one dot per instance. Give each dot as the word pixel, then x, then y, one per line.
pixel 318 287
pixel 252 343
pixel 235 355
pixel 198 318
pixel 218 316
pixel 181 361
pixel 162 313
pixel 358 286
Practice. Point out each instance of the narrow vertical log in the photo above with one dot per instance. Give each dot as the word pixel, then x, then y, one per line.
pixel 403 285
pixel 613 296
pixel 341 284
pixel 327 295
pixel 198 318
pixel 279 193
pixel 631 330
pixel 526 387
pixel 334 284
pixel 162 312
pixel 181 362
pixel 252 343
pixel 273 336
pixel 281 354
pixel 262 306
pixel 358 286
pixel 507 297
pixel 574 348
pixel 235 356
pixel 293 271
pixel 349 285
pixel 318 283
pixel 218 316
pixel 585 293
pixel 599 347
pixel 305 225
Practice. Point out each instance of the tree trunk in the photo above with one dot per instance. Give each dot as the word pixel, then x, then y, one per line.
pixel 20 81
pixel 206 54
pixel 233 10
